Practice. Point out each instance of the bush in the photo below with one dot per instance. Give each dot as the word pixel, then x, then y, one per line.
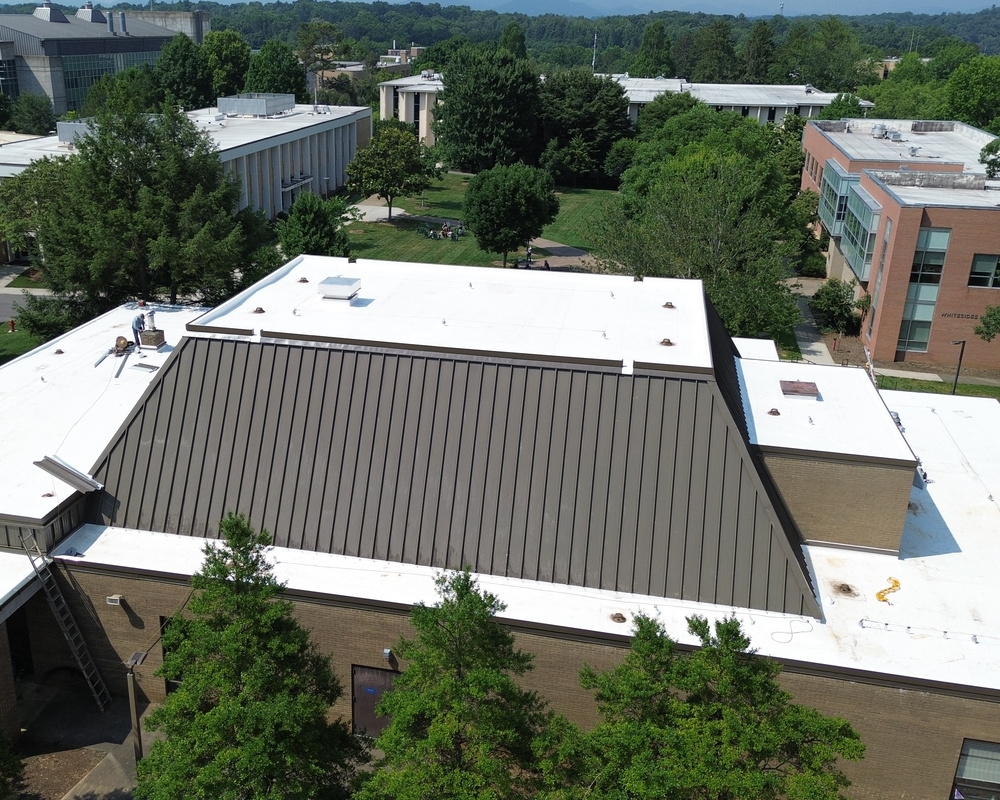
pixel 812 265
pixel 833 306
pixel 11 770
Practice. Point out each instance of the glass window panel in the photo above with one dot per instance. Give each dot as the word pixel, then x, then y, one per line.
pixel 980 761
pixel 938 239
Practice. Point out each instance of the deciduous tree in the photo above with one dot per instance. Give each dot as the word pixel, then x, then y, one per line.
pixel 989 324
pixel 757 53
pixel 512 40
pixel 973 92
pixel 460 724
pixel 710 725
pixel 227 58
pixel 33 114
pixel 716 61
pixel 276 69
pixel 395 164
pixel 315 226
pixel 508 206
pixel 488 110
pixel 184 74
pixel 136 88
pixel 248 719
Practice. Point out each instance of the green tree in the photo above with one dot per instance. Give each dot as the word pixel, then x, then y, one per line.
pixel 460 725
pixel 833 305
pixel 184 74
pixel 318 44
pixel 843 105
pixel 989 157
pixel 143 210
pixel 757 53
pixel 32 114
pixel 512 40
pixel 227 58
pixel 395 164
pixel 664 107
pixel 989 324
pixel 5 109
pixel 315 226
pixel 582 115
pixel 652 59
pixel 488 110
pixel 828 54
pixel 508 206
pixel 950 55
pixel 713 724
pixel 716 61
pixel 973 92
pixel 248 720
pixel 136 88
pixel 11 770
pixel 276 69
pixel 438 56
pixel 900 99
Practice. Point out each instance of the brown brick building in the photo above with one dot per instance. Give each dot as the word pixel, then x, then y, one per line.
pixel 915 221
pixel 387 421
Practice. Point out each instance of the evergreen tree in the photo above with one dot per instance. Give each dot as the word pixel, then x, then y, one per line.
pixel 653 57
pixel 757 53
pixel 716 62
pixel 248 719
pixel 488 110
pixel 135 88
pixel 460 725
pixel 512 40
pixel 711 725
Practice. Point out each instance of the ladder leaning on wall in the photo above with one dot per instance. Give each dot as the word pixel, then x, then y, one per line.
pixel 68 626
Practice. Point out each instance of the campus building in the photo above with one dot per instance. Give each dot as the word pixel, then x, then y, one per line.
pixel 913 218
pixel 592 446
pixel 275 148
pixel 412 99
pixel 62 56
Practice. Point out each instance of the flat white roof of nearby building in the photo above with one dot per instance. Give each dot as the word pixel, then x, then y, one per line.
pixel 764 349
pixel 961 145
pixel 67 405
pixel 846 417
pixel 228 133
pixel 645 90
pixel 502 311
pixel 988 198
pixel 423 82
pixel 942 624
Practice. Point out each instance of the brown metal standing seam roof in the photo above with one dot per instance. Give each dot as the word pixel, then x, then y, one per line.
pixel 635 483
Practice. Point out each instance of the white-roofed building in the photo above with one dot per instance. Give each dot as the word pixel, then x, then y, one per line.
pixel 594 447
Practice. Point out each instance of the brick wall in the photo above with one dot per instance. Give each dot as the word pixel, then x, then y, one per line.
pixel 10 725
pixel 874 514
pixel 913 737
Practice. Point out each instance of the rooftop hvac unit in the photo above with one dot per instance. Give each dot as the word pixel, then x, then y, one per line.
pixel 339 288
pixel 895 136
pixel 878 131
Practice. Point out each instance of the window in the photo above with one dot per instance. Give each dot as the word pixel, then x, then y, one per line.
pixel 922 293
pixel 978 773
pixel 984 271
pixel 886 236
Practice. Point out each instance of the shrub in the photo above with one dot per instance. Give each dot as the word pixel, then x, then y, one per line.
pixel 833 306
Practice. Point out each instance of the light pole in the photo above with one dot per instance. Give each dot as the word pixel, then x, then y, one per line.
pixel 961 354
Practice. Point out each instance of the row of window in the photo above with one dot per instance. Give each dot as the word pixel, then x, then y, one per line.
pixel 82 72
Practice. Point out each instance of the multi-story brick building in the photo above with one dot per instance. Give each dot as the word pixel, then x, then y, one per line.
pixel 593 447
pixel 915 221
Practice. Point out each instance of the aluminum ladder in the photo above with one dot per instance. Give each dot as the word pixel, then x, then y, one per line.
pixel 70 630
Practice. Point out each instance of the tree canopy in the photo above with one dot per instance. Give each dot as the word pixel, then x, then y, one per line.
pixel 227 58
pixel 713 724
pixel 653 56
pixel 395 164
pixel 32 114
pixel 989 324
pixel 248 719
pixel 488 114
pixel 183 73
pixel 315 226
pixel 460 724
pixel 143 210
pixel 508 206
pixel 276 69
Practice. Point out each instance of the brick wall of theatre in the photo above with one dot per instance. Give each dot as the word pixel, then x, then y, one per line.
pixel 913 737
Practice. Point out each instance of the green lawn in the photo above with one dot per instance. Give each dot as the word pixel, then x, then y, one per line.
pixel 14 344
pixel 31 278
pixel 401 240
pixel 578 208
pixel 936 387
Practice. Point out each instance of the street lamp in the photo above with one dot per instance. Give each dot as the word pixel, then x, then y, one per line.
pixel 961 354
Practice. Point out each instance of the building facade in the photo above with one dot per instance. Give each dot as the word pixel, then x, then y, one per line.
pixel 62 56
pixel 412 99
pixel 914 220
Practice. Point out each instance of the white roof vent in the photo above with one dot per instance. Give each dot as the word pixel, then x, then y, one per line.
pixel 339 288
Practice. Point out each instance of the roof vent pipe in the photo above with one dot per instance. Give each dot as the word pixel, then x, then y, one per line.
pixel 121 22
pixel 111 24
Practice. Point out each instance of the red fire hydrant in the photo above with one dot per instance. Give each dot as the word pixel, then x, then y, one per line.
pixel 11 324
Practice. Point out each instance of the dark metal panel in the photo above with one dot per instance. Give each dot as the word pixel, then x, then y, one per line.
pixel 746 533
pixel 642 507
pixel 698 489
pixel 553 503
pixel 493 456
pixel 383 479
pixel 415 549
pixel 432 452
pixel 687 419
pixel 246 439
pixel 358 451
pixel 461 521
pixel 402 543
pixel 473 534
pixel 315 465
pixel 637 444
pixel 618 467
pixel 760 559
pixel 589 420
pixel 343 454
pixel 599 476
pixel 664 495
pixel 720 457
pixel 725 573
pixel 526 409
pixel 287 399
pixel 531 500
pixel 448 439
pixel 512 408
pixel 301 445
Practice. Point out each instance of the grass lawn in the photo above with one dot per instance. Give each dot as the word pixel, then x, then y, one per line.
pixel 31 278
pixel 401 240
pixel 936 387
pixel 14 344
pixel 578 208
